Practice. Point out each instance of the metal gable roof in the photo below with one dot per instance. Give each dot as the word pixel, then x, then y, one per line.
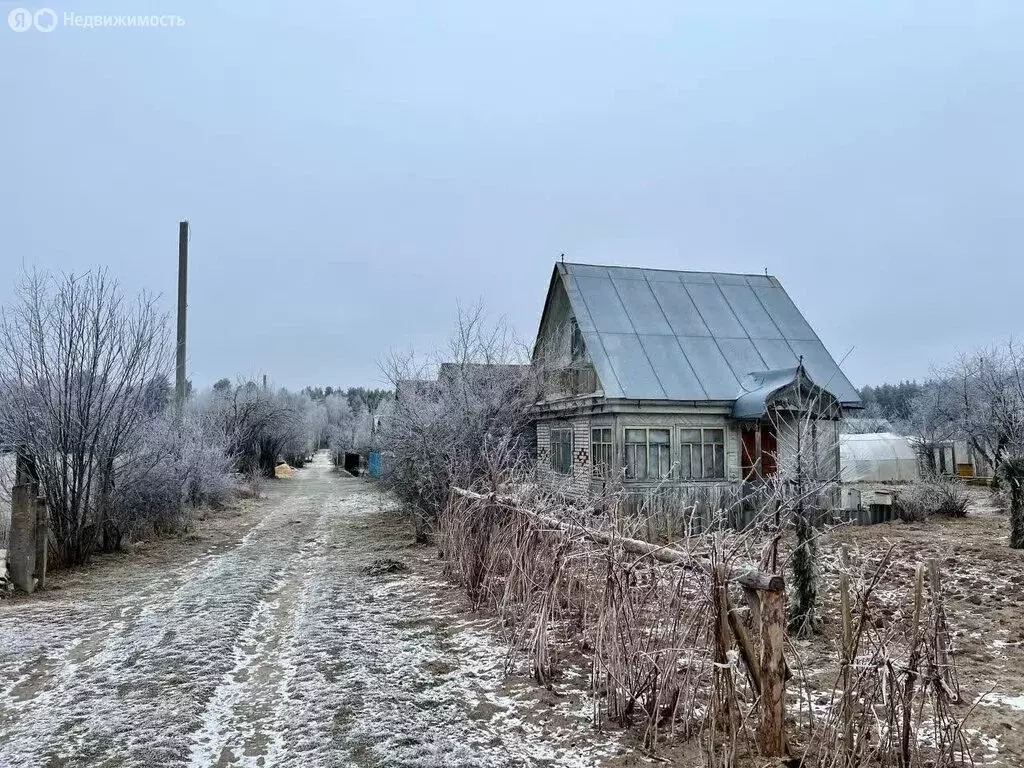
pixel 664 335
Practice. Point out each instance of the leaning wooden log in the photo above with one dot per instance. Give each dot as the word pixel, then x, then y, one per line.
pixel 745 645
pixel 749 577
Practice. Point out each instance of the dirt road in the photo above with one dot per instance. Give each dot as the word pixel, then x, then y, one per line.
pixel 274 647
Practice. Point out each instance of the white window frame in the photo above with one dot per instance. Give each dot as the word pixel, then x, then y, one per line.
pixel 602 452
pixel 630 474
pixel 686 453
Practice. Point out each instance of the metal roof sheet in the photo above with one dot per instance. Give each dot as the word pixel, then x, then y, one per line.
pixel 659 334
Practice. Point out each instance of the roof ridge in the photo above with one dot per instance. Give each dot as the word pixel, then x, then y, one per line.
pixel 663 269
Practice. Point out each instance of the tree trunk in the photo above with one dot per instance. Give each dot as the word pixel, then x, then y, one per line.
pixel 1013 473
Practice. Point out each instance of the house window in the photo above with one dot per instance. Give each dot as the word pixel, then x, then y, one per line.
pixel 601 451
pixel 702 454
pixel 577 348
pixel 648 453
pixel 561 451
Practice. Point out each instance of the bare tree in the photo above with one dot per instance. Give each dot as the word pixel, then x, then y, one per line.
pixel 935 416
pixel 77 366
pixel 990 394
pixel 261 426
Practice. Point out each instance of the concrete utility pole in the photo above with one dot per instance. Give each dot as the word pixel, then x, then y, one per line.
pixel 179 377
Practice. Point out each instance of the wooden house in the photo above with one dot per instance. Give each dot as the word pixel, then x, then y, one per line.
pixel 657 377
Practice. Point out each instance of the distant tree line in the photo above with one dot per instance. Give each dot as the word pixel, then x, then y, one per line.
pixel 359 398
pixel 890 401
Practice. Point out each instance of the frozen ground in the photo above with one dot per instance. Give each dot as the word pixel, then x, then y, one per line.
pixel 983 588
pixel 270 646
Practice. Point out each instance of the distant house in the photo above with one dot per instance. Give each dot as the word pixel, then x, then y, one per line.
pixel 411 390
pixel 661 377
pixel 451 374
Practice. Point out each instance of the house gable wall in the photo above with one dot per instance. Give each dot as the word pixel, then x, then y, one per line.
pixel 553 340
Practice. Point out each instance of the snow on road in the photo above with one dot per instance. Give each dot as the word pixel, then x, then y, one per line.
pixel 277 650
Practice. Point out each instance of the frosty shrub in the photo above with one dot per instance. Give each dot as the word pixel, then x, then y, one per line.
pixel 146 497
pixel 932 496
pixel 438 431
pixel 204 464
pixel 82 369
pixel 260 426
pixel 172 468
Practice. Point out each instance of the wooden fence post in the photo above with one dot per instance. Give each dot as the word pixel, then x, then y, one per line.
pixel 847 653
pixel 771 732
pixel 42 540
pixel 947 674
pixel 23 536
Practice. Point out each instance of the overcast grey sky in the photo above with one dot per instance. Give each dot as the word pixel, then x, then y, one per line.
pixel 351 170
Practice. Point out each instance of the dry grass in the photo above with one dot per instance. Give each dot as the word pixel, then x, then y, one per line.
pixel 660 663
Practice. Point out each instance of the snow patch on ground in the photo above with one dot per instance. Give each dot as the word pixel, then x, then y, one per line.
pixel 1013 702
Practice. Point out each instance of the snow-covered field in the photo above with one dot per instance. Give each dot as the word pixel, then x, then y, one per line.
pixel 275 649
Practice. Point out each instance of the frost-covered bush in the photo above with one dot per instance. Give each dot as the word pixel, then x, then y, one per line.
pixel 205 465
pixel 445 432
pixel 173 467
pixel 147 496
pixel 260 426
pixel 932 496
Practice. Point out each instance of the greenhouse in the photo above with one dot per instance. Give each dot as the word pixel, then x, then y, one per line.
pixel 877 458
